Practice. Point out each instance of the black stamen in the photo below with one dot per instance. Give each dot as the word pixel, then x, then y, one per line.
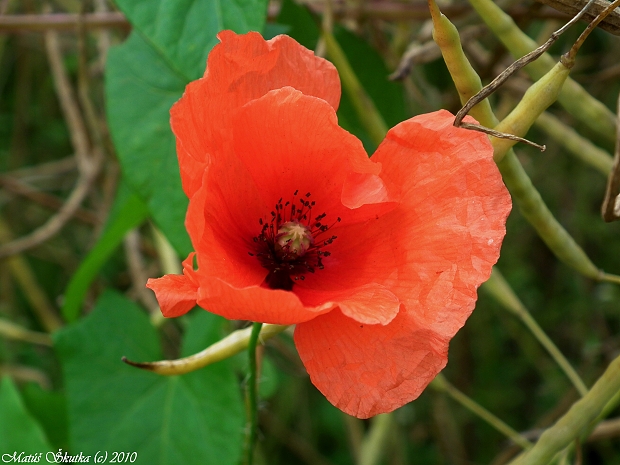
pixel 282 261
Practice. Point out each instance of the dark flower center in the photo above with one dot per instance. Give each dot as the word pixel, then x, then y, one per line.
pixel 290 244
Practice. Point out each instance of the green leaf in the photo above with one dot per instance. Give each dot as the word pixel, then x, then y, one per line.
pixel 303 27
pixel 128 212
pixel 50 410
pixel 184 31
pixel 191 419
pixel 140 89
pixel 19 432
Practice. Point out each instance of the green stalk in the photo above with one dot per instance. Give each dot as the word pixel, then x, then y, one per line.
pixel 442 385
pixel 252 395
pixel 580 416
pixel 376 439
pixel 10 330
pixel 537 213
pixel 574 98
pixel 536 100
pixel 366 110
pixel 466 80
pixel 576 144
pixel 503 293
pixel 518 182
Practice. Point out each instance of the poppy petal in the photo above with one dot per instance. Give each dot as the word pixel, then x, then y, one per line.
pixel 222 218
pixel 363 189
pixel 240 69
pixel 371 304
pixel 439 244
pixel 365 369
pixel 451 220
pixel 176 294
pixel 304 142
pixel 255 303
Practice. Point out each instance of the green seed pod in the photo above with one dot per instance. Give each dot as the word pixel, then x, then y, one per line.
pixel 537 99
pixel 574 98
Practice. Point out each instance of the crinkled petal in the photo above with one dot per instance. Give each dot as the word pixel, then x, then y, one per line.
pixel 454 207
pixel 371 303
pixel 175 293
pixel 192 170
pixel 364 189
pixel 365 369
pixel 439 245
pixel 255 303
pixel 240 69
pixel 305 152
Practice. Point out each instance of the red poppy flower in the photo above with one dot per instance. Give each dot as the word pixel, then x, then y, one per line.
pixel 377 260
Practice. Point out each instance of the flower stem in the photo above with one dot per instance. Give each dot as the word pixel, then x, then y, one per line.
pixel 378 435
pixel 538 215
pixel 575 143
pixel 441 384
pixel 537 99
pixel 10 330
pixel 503 293
pixel 580 416
pixel 252 395
pixel 365 108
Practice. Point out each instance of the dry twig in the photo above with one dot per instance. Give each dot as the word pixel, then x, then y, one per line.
pixel 611 205
pixel 502 77
pixel 610 24
pixel 426 52
pixel 88 164
pixel 62 21
pixel 139 276
pixel 44 199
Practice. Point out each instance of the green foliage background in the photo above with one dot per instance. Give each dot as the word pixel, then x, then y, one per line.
pixel 81 398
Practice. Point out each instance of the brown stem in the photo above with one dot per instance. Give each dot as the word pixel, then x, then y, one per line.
pixel 88 164
pixel 62 21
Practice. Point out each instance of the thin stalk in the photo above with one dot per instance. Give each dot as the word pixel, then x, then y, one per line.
pixel 538 215
pixel 610 208
pixel 572 53
pixel 575 143
pixel 355 435
pixel 536 100
pixel 503 293
pixel 366 110
pixel 168 258
pixel 25 278
pixel 169 264
pixel 579 417
pixel 10 330
pixel 252 395
pixel 376 439
pixel 442 385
